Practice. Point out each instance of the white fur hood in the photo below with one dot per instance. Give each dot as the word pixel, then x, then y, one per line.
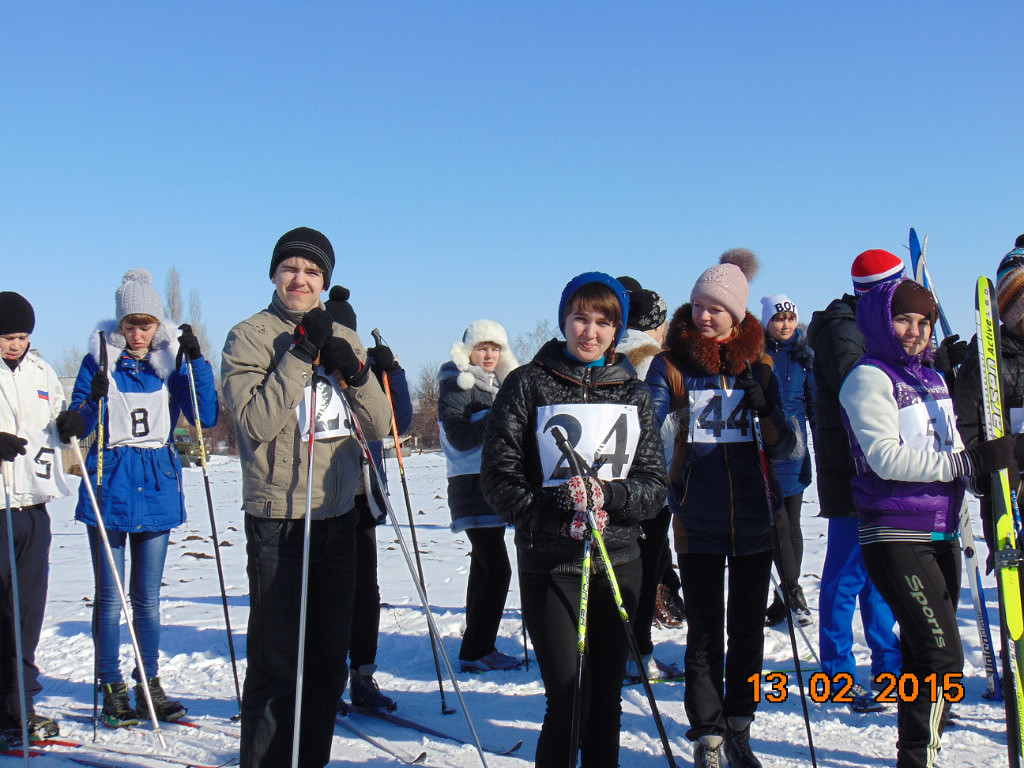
pixel 162 352
pixel 480 331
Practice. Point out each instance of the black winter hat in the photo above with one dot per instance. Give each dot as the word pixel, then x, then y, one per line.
pixel 1020 242
pixel 307 244
pixel 339 307
pixel 631 284
pixel 16 314
pixel 647 310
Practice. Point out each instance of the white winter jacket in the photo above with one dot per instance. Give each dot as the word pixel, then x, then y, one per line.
pixel 31 396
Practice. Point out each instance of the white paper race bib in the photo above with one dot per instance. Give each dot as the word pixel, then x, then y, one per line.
pixel 928 426
pixel 718 416
pixel 331 418
pixel 43 453
pixel 604 434
pixel 138 419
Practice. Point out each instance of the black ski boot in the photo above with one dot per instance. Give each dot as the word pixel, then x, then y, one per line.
pixel 117 710
pixel 364 691
pixel 737 743
pixel 41 728
pixel 776 613
pixel 798 603
pixel 707 752
pixel 166 710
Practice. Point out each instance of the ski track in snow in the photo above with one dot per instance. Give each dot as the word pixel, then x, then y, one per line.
pixel 505 706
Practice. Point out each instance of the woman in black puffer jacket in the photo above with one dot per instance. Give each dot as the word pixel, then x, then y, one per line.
pixel 591 393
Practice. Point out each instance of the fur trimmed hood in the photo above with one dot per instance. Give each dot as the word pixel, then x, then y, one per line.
pixel 730 357
pixel 478 332
pixel 162 352
pixel 640 348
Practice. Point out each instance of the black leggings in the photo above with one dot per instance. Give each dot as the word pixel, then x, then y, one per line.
pixel 551 607
pixel 486 590
pixel 921 584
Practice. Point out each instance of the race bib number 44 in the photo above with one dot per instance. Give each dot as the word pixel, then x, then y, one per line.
pixel 604 434
pixel 718 416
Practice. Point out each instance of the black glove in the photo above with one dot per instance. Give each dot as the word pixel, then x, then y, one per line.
pixel 11 446
pixel 188 344
pixel 383 359
pixel 950 354
pixel 987 457
pixel 312 333
pixel 70 424
pixel 338 357
pixel 100 386
pixel 754 396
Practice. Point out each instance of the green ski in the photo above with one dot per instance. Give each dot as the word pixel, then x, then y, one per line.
pixel 1005 518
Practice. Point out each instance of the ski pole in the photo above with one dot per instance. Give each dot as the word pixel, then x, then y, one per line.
pixel 16 600
pixel 431 624
pixel 581 652
pixel 101 529
pixel 303 600
pixel 994 692
pixel 213 528
pixel 763 460
pixel 101 408
pixel 445 709
pixel 578 466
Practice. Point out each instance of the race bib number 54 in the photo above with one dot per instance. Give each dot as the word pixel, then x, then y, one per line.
pixel 604 434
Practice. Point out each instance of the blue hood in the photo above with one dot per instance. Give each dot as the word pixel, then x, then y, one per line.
pixel 874 320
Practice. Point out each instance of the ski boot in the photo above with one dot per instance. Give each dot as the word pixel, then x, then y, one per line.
pixel 776 613
pixel 495 660
pixel 166 710
pixel 737 743
pixel 798 604
pixel 364 691
pixel 117 710
pixel 41 728
pixel 707 752
pixel 864 700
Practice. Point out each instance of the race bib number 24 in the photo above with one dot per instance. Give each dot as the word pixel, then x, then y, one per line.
pixel 605 435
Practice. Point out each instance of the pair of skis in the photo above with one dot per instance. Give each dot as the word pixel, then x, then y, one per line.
pixel 1006 523
pixel 919 266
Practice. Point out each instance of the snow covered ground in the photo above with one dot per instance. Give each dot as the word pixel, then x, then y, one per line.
pixel 505 706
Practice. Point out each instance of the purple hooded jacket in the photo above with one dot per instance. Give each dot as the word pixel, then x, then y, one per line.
pixel 915 506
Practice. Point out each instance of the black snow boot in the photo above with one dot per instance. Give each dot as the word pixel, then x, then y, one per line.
pixel 737 743
pixel 364 691
pixel 117 710
pixel 166 710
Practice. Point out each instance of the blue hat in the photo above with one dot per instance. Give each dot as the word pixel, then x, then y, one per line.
pixel 595 277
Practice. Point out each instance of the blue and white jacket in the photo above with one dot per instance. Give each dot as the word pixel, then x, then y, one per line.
pixel 141 486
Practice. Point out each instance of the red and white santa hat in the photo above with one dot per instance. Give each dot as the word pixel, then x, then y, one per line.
pixel 874 267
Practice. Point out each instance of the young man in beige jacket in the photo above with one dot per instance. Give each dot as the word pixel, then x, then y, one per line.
pixel 271 364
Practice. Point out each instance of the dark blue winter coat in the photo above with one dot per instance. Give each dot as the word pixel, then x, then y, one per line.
pixel 794 368
pixel 717 490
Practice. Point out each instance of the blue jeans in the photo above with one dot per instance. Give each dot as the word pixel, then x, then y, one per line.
pixel 844 580
pixel 148 552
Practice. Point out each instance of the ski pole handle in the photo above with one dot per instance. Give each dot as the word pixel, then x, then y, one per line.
pixel 377 338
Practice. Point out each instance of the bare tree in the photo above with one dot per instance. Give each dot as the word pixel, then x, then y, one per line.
pixel 69 362
pixel 173 291
pixel 195 313
pixel 424 415
pixel 526 345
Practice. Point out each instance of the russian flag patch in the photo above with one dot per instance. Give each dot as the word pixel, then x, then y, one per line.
pixel 43 395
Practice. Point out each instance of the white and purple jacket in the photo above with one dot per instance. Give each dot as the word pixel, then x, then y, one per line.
pixel 902 428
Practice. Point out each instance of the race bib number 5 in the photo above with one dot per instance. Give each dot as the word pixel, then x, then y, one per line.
pixel 604 434
pixel 718 416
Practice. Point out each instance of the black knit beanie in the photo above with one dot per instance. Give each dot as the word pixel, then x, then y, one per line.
pixel 16 314
pixel 1020 242
pixel 308 244
pixel 337 304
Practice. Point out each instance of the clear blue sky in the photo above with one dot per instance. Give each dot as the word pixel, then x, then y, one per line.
pixel 468 158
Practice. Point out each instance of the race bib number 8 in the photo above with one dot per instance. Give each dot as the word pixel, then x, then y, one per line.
pixel 718 416
pixel 604 434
